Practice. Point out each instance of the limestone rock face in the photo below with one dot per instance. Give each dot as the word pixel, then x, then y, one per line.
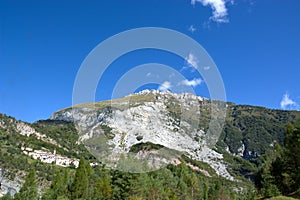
pixel 161 118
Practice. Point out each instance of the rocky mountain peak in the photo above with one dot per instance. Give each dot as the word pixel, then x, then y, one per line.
pixel 111 129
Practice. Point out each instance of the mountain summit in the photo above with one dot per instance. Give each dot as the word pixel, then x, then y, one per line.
pixel 111 129
pixel 143 132
pixel 158 127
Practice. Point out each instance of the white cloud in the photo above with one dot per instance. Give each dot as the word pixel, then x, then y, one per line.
pixel 192 60
pixel 195 82
pixel 218 7
pixel 286 102
pixel 148 74
pixel 192 29
pixel 165 86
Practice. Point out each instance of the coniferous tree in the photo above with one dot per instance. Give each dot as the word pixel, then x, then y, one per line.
pixel 292 160
pixel 59 187
pixel 281 171
pixel 194 184
pixel 103 189
pixel 29 189
pixel 80 185
pixel 265 181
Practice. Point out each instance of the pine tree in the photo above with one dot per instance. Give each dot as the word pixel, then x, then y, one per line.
pixel 59 187
pixel 194 184
pixel 103 188
pixel 281 171
pixel 29 189
pixel 80 185
pixel 291 161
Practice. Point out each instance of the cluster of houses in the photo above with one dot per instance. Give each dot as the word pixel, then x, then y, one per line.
pixel 48 157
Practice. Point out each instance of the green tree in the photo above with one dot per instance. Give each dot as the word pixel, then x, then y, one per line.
pixel 29 189
pixel 281 171
pixel 80 185
pixel 103 189
pixel 59 186
pixel 121 184
pixel 265 181
pixel 292 160
pixel 194 184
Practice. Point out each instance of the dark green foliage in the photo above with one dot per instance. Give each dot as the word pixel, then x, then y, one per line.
pixel 281 171
pixel 65 134
pixel 171 182
pixel 265 182
pixel 59 186
pixel 239 166
pixel 85 184
pixel 145 146
pixel 80 185
pixel 59 130
pixel 28 190
pixel 178 182
pixel 12 157
pixel 199 164
pixel 121 184
pixel 103 188
pixel 286 167
pixel 256 128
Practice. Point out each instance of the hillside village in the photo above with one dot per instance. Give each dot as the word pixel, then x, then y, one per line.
pixel 48 157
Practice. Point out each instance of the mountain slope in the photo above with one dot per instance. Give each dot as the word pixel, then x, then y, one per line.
pixel 161 118
pixel 178 122
pixel 142 132
pixel 19 143
pixel 250 131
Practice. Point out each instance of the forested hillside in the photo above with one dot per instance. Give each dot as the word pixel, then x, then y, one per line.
pixel 258 145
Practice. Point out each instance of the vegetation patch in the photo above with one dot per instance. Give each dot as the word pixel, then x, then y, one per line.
pixel 147 146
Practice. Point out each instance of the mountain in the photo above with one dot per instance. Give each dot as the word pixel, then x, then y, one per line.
pixel 143 132
pixel 161 118
pixel 22 142
pixel 178 122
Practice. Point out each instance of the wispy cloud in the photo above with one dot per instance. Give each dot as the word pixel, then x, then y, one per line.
pixel 287 103
pixel 148 74
pixel 219 9
pixel 192 60
pixel 195 82
pixel 165 86
pixel 192 29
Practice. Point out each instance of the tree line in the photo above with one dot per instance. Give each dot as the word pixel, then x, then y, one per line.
pixel 278 175
pixel 87 183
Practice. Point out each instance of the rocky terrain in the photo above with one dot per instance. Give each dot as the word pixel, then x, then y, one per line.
pixel 150 127
pixel 179 122
pixel 162 118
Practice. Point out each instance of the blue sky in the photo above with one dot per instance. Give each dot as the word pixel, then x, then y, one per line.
pixel 255 45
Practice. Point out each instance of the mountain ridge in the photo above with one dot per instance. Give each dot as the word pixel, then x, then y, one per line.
pixel 178 115
pixel 248 133
pixel 160 120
